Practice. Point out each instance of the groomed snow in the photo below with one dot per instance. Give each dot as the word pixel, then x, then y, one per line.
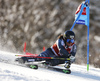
pixel 9 71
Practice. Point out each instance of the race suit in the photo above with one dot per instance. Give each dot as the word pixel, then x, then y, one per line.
pixel 58 49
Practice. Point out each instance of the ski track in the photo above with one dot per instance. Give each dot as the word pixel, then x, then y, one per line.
pixel 9 71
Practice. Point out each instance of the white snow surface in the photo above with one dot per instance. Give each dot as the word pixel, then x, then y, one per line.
pixel 10 71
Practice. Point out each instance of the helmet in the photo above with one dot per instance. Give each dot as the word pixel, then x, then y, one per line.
pixel 69 35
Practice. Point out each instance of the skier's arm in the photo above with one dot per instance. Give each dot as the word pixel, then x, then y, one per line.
pixel 74 49
pixel 73 53
pixel 62 48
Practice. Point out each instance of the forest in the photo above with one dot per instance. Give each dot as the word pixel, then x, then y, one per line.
pixel 40 22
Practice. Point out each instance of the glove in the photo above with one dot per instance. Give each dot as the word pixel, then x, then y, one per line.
pixel 69 55
pixel 72 59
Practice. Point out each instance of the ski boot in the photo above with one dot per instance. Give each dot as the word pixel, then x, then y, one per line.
pixel 67 66
pixel 45 64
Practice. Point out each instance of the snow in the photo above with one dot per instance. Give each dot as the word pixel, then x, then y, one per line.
pixel 97 38
pixel 10 71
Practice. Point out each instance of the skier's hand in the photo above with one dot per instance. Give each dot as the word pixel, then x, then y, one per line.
pixel 69 55
pixel 72 59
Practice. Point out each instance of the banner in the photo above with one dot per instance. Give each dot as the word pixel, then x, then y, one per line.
pixel 83 19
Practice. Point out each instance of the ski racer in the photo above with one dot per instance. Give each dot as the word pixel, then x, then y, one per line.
pixel 64 47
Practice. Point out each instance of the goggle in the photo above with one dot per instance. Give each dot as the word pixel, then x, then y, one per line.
pixel 70 40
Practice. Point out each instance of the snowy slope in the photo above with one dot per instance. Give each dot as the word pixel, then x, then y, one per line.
pixel 9 71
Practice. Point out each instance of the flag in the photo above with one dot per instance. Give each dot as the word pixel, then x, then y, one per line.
pixel 83 19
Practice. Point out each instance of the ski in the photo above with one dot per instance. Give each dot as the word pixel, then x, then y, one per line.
pixel 34 66
pixel 44 65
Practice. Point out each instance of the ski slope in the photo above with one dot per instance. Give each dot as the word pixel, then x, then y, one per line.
pixel 10 71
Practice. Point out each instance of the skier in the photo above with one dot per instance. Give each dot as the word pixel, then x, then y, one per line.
pixel 64 47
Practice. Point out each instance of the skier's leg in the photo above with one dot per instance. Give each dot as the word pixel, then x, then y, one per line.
pixel 54 62
pixel 47 53
pixel 22 60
